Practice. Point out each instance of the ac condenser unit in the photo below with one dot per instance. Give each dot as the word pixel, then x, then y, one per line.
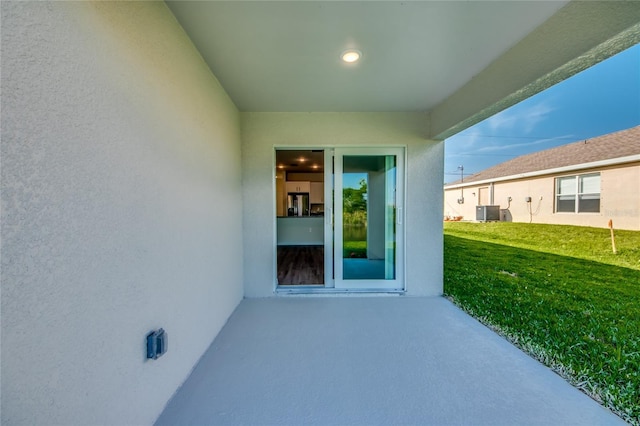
pixel 487 213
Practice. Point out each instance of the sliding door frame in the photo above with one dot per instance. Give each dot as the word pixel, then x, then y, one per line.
pixel 397 283
pixel 331 260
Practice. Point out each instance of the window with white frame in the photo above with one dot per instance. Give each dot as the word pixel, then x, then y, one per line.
pixel 578 194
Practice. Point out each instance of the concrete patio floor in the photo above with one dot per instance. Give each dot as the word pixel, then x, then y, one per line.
pixel 367 361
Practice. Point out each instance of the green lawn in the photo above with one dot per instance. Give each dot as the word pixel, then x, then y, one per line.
pixel 354 249
pixel 559 293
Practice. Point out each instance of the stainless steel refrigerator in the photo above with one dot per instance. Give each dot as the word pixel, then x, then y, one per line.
pixel 298 204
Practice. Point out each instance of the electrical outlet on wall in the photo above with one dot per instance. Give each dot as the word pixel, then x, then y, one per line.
pixel 156 344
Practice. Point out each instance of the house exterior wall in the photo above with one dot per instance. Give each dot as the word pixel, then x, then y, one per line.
pixel 619 199
pixel 621 196
pixel 121 188
pixel 261 132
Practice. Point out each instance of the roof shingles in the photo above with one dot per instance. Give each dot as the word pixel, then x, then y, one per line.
pixel 613 145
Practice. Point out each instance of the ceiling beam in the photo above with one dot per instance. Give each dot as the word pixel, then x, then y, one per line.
pixel 579 36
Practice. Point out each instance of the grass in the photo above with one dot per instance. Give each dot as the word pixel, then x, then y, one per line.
pixel 355 249
pixel 560 294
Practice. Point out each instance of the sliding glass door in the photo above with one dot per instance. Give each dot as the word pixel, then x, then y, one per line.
pixel 368 218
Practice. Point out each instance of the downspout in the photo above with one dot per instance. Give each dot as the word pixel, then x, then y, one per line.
pixel 491 201
pixel 461 199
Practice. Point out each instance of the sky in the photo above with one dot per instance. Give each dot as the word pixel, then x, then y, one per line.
pixel 600 100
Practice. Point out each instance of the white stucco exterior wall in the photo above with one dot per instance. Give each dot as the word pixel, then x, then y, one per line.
pixel 121 192
pixel 262 132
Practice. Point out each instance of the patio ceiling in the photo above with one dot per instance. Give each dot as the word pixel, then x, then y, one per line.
pixel 459 61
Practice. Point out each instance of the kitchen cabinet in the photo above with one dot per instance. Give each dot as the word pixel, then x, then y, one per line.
pixel 294 186
pixel 316 195
pixel 281 196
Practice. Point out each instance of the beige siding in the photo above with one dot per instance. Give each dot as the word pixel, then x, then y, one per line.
pixel 619 199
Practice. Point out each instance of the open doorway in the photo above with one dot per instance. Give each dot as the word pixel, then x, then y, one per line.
pixel 300 211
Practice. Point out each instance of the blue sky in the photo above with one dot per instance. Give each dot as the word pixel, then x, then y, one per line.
pixel 352 180
pixel 600 100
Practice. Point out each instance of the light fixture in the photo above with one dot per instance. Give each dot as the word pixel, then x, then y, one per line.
pixel 302 159
pixel 351 55
pixel 315 166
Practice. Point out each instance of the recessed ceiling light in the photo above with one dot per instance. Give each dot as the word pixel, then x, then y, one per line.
pixel 350 56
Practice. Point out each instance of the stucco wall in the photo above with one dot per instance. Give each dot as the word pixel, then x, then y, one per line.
pixel 621 196
pixel 517 210
pixel 261 132
pixel 539 210
pixel 467 209
pixel 120 200
pixel 619 199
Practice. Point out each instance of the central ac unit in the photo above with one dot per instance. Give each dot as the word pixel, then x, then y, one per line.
pixel 487 213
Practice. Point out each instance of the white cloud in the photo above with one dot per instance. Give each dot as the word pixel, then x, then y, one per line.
pixel 467 139
pixel 520 145
pixel 508 134
pixel 524 117
pixel 521 120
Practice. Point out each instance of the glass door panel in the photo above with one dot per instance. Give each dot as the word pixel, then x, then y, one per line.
pixel 369 236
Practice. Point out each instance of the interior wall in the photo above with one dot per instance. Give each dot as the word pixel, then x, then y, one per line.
pixel 121 193
pixel 261 132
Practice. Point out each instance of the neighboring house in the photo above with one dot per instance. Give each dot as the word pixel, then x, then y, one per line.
pixel 584 183
pixel 138 164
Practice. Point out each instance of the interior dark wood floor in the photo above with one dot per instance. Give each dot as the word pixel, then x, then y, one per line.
pixel 300 265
